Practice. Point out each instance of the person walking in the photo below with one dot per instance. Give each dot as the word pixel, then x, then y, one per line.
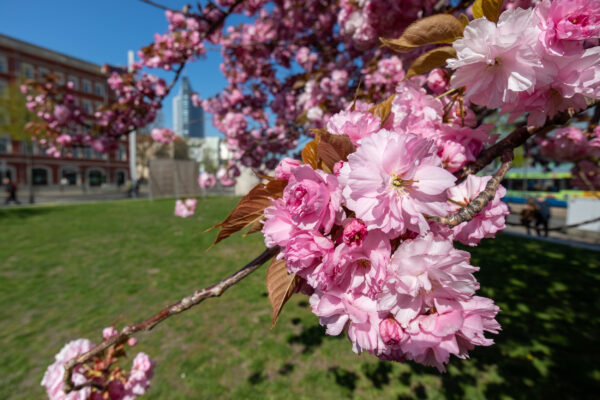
pixel 542 217
pixel 529 214
pixel 11 189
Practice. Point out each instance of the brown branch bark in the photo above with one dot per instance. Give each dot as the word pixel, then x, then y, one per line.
pixel 182 305
pixel 482 199
pixel 515 139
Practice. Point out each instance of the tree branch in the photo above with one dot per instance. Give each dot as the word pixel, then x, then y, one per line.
pixel 517 137
pixel 482 199
pixel 182 305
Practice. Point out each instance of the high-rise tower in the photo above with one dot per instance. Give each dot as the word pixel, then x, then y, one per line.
pixel 188 121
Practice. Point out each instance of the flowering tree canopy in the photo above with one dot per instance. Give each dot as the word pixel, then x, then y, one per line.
pixel 366 223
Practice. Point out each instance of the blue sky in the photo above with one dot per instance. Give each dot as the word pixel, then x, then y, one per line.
pixel 102 32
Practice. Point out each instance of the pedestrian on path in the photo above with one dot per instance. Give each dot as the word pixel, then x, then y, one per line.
pixel 11 190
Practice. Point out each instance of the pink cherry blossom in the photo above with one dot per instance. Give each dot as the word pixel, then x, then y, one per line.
pixel 566 24
pixel 496 61
pixel 304 254
pixel 285 167
pixel 355 124
pixel 163 135
pixel 486 223
pixel 185 208
pixel 388 189
pixel 53 377
pixel 312 198
pixel 109 332
pixel 417 267
pixel 206 180
pixel 354 233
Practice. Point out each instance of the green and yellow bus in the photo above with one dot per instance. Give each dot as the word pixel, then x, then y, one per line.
pixel 554 186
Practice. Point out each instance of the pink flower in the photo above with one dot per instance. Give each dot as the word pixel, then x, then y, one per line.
pixel 61 113
pixel 361 269
pixel 163 135
pixel 354 233
pixel 355 124
pixel 486 223
pixel 141 373
pixel 278 225
pixel 417 267
pixel 437 81
pixel 461 145
pixel 566 24
pixel 206 180
pixel 185 208
pixel 304 254
pixel 414 111
pixel 285 167
pixel 393 181
pixel 337 309
pixel 53 377
pixel 109 332
pixel 312 198
pixel 390 331
pixel 496 61
pixel 224 177
pixel 567 144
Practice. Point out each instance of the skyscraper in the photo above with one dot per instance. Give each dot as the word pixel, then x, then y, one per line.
pixel 188 121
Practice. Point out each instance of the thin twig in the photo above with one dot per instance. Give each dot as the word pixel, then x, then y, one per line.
pixel 184 304
pixel 469 211
pixel 518 137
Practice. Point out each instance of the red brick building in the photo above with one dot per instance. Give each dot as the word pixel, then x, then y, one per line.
pixel 86 167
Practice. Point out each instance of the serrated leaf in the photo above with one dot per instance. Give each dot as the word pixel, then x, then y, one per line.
pixel 432 59
pixel 250 208
pixel 280 286
pixel 489 9
pixel 309 153
pixel 383 109
pixel 436 29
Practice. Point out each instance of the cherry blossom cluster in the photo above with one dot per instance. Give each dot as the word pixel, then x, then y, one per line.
pixel 185 208
pixel 63 122
pixel 540 60
pixel 363 239
pixel 102 378
pixel 163 135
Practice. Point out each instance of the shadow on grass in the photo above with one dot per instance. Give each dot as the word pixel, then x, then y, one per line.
pixel 8 213
pixel 548 347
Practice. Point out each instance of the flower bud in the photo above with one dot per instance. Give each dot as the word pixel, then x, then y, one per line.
pixel 390 331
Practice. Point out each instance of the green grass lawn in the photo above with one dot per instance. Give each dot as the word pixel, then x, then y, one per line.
pixel 68 271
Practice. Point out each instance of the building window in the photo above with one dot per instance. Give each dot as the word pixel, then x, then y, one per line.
pixel 75 81
pixel 87 105
pixel 27 71
pixel 43 72
pixel 60 78
pixel 69 177
pixel 99 89
pixel 3 88
pixel 5 145
pixel 96 177
pixel 121 153
pixel 86 86
pixel 40 176
pixel 120 177
pixel 87 152
pixel 3 64
pixel 75 152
